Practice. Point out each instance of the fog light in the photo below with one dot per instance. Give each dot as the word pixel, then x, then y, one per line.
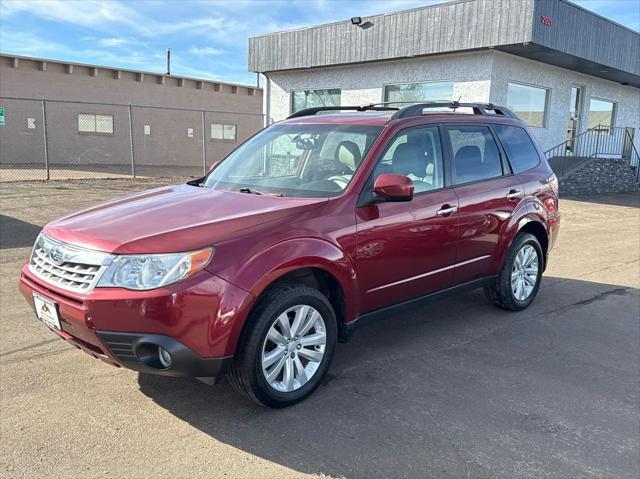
pixel 165 357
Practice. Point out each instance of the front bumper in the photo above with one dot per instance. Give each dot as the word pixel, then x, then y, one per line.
pixel 198 321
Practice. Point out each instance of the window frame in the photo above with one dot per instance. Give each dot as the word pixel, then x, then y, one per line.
pixel 614 112
pixel 504 162
pixel 364 197
pixel 547 102
pixel 385 85
pixel 95 122
pixel 291 93
pixel 226 140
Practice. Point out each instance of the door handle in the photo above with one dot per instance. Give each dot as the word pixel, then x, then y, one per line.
pixel 514 194
pixel 446 210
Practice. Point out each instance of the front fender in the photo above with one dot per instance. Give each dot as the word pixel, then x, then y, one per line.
pixel 260 271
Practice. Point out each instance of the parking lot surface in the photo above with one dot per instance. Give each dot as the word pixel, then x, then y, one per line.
pixel 455 389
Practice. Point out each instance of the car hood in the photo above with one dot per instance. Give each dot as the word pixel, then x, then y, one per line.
pixel 171 219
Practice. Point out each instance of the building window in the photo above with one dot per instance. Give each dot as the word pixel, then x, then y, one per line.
pixel 223 132
pixel 416 92
pixel 601 112
pixel 99 124
pixel 528 102
pixel 312 98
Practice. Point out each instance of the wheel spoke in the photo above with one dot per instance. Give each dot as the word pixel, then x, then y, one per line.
pixel 301 374
pixel 313 339
pixel 273 374
pixel 275 337
pixel 287 378
pixel 299 318
pixel 531 281
pixel 313 317
pixel 311 354
pixel 272 356
pixel 283 321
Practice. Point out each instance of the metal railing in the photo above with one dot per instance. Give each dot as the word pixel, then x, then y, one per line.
pixel 600 141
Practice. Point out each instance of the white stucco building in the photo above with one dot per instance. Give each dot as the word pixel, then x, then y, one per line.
pixel 561 68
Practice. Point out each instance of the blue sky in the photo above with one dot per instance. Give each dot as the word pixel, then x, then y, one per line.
pixel 208 38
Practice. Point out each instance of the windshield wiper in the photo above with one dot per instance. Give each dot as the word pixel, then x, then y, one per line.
pixel 251 191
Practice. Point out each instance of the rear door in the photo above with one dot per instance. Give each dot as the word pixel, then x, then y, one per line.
pixel 406 250
pixel 488 194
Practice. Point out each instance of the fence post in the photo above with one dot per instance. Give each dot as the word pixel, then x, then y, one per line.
pixel 204 149
pixel 597 141
pixel 44 138
pixel 133 163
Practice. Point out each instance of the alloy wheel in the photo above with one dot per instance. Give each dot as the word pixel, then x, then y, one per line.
pixel 294 348
pixel 524 273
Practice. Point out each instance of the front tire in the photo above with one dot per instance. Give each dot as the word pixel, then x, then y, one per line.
pixel 519 279
pixel 287 346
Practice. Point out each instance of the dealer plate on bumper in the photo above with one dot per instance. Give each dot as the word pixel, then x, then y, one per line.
pixel 47 311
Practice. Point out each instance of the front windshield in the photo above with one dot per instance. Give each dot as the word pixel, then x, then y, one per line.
pixel 304 161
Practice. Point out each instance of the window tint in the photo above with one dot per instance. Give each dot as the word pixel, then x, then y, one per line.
pixel 313 98
pixel 528 102
pixel 416 153
pixel 475 154
pixel 520 150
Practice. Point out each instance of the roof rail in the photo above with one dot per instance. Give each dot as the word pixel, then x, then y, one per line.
pixel 318 109
pixel 417 109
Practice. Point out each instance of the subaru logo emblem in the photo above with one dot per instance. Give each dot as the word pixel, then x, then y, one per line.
pixel 56 255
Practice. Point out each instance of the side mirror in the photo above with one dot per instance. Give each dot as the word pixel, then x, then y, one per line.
pixel 390 187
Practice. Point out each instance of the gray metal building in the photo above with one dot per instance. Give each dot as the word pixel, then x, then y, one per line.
pixel 562 68
pixel 65 119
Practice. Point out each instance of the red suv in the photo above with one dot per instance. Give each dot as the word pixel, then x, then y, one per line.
pixel 311 227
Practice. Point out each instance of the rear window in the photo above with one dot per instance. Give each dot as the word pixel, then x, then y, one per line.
pixel 520 150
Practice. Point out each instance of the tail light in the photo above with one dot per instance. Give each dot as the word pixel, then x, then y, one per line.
pixel 553 182
pixel 551 202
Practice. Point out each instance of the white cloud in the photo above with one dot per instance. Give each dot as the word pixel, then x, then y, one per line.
pixel 112 42
pixel 206 51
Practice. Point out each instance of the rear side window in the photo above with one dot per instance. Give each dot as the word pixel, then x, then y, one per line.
pixel 475 154
pixel 520 150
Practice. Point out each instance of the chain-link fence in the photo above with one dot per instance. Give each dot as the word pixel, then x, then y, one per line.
pixel 56 139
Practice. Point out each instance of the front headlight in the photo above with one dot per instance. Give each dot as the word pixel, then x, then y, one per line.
pixel 149 271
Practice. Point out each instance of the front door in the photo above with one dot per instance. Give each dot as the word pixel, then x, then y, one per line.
pixel 406 250
pixel 488 194
pixel 573 127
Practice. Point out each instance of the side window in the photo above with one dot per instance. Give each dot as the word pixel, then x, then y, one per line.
pixel 520 150
pixel 475 154
pixel 415 152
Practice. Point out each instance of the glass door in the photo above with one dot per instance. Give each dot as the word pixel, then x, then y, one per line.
pixel 573 127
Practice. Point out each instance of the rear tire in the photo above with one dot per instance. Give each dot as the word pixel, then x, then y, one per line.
pixel 287 346
pixel 519 279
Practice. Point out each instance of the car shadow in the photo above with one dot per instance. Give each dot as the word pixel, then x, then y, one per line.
pixel 457 388
pixel 15 233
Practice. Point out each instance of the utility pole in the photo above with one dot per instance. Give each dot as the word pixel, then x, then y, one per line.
pixel 168 61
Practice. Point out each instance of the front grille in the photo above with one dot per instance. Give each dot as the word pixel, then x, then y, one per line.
pixel 66 266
